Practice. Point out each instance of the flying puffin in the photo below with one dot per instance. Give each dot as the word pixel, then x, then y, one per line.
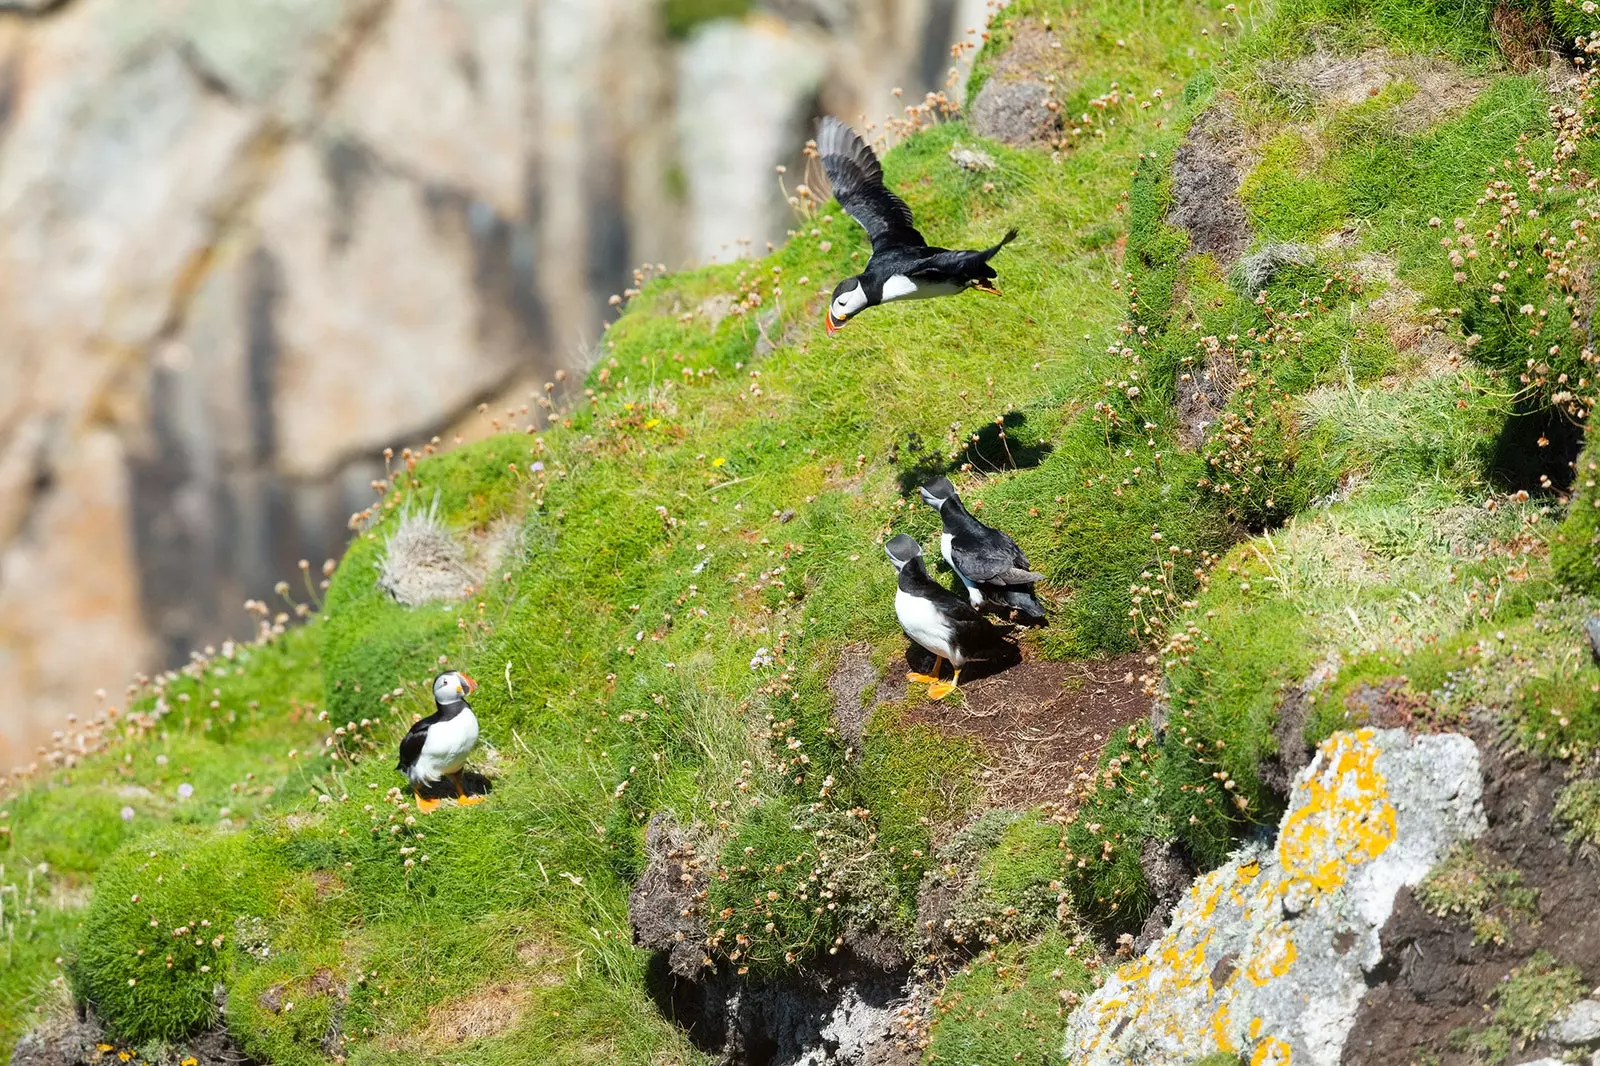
pixel 902 265
pixel 936 618
pixel 439 744
pixel 987 561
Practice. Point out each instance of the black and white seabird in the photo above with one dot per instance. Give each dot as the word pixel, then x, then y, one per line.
pixel 439 744
pixel 936 618
pixel 902 265
pixel 987 560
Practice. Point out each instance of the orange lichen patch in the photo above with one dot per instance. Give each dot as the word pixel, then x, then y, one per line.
pixel 1271 1052
pixel 1346 819
pixel 1271 954
pixel 1340 817
pixel 1218 1028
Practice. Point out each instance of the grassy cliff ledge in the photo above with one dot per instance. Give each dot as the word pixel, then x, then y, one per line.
pixel 1284 396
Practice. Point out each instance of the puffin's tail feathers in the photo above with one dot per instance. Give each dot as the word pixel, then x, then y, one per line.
pixel 1011 235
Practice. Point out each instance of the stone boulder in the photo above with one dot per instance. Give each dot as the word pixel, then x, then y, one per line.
pixel 1267 955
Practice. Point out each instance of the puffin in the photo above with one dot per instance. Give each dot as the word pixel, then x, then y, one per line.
pixel 935 618
pixel 438 745
pixel 903 266
pixel 987 560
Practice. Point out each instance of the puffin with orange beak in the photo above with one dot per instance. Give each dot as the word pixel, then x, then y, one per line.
pixel 438 745
pixel 903 266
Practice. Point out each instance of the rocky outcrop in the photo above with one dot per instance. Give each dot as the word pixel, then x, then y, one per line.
pixel 245 246
pixel 1267 955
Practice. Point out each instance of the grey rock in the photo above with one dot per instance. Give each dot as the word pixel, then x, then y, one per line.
pixel 1014 111
pixel 971 158
pixel 1591 627
pixel 1578 1025
pixel 1269 951
pixel 66 1041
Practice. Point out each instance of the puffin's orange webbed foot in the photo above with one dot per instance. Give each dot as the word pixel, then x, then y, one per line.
pixel 426 805
pixel 987 286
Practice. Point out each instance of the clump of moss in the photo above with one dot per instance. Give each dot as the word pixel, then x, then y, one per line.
pixel 793 882
pixel 157 938
pixel 1575 553
pixel 1534 993
pixel 1002 878
pixel 1009 1005
pixel 1578 806
pixel 1492 898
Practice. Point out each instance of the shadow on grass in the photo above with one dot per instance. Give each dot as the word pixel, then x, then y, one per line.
pixel 997 446
pixel 472 782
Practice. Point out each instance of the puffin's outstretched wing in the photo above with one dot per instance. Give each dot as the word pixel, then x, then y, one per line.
pixel 857 179
pixel 995 560
pixel 411 743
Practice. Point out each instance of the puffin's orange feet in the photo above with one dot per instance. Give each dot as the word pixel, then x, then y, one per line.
pixel 987 286
pixel 467 801
pixel 426 805
pixel 922 679
pixel 940 689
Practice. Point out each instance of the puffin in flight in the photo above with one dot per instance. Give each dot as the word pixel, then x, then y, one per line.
pixel 936 618
pixel 902 265
pixel 438 745
pixel 987 561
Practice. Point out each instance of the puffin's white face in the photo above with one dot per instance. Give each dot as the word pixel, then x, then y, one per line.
pixel 847 303
pixel 452 687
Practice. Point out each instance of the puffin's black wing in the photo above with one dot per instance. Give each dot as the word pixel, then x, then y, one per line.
pixel 411 743
pixel 992 558
pixel 857 179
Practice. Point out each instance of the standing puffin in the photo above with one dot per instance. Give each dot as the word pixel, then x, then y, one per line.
pixel 439 744
pixel 936 618
pixel 987 561
pixel 902 265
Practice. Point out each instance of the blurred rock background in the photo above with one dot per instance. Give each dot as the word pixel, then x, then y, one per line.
pixel 247 244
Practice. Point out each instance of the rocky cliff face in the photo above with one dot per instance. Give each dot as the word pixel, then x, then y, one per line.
pixel 245 246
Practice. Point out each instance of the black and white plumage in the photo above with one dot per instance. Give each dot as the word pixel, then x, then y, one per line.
pixel 987 560
pixel 936 618
pixel 438 745
pixel 903 266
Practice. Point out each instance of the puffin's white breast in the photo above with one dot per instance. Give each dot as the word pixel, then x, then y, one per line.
pixel 447 745
pixel 924 624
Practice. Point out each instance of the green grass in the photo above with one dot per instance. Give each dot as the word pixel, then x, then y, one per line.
pixel 698 535
pixel 1009 1004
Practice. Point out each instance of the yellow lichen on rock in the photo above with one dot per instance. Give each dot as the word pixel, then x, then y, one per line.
pixel 1346 818
pixel 1251 944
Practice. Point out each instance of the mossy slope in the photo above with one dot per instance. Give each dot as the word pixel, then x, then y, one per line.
pixel 697 536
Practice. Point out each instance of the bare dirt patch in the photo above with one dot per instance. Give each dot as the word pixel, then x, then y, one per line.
pixel 1203 393
pixel 1041 723
pixel 1330 80
pixel 1015 105
pixel 1207 171
pixel 1434 980
pixel 852 677
pixel 483 1013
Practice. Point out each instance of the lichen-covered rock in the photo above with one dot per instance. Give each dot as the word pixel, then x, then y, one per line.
pixel 1266 955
